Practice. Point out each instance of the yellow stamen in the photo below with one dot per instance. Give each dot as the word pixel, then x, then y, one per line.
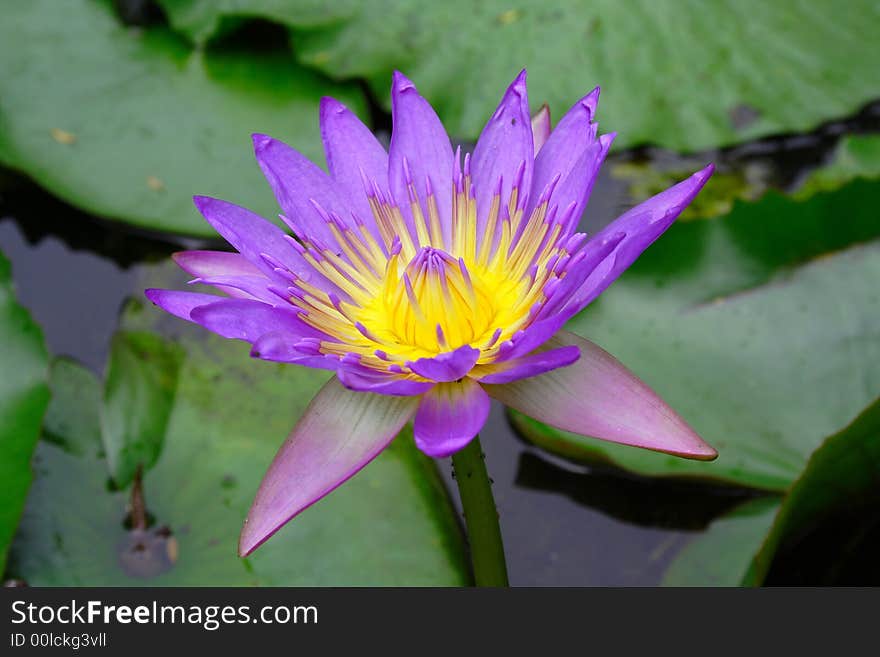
pixel 415 296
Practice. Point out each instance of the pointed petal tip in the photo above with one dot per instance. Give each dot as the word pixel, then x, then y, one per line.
pixel 261 141
pixel 209 206
pixel 184 260
pixel 202 201
pixel 696 450
pixel 180 303
pixel 706 453
pixel 400 83
pixel 165 299
pixel 246 542
pixel 687 445
pixel 705 173
pixel 518 87
pixel 251 538
pixel 323 451
pixel 329 105
pixel 590 102
pixel 598 397
pixel 694 183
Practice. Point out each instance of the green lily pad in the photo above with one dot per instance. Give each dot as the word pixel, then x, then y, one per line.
pixel 24 394
pixel 682 75
pixel 130 123
pixel 763 355
pixel 200 20
pixel 856 156
pixel 392 524
pixel 843 473
pixel 139 393
pixel 739 548
pixel 72 420
pixel 723 554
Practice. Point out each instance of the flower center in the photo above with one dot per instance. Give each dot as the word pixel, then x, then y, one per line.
pixel 434 304
pixel 417 294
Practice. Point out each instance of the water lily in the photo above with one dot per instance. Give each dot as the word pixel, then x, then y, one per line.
pixel 430 281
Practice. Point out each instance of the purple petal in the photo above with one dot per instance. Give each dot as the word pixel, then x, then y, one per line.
pixel 642 225
pixel 253 236
pixel 531 365
pixel 530 338
pixel 596 252
pixel 340 432
pixel 597 396
pixel 180 304
pixel 298 183
pixel 541 127
pixel 449 417
pixel 243 319
pixel 214 263
pixel 566 145
pixel 353 152
pixel 550 317
pixel 504 146
pixel 360 378
pixel 241 287
pixel 574 188
pixel 419 137
pixel 449 366
pixel 282 347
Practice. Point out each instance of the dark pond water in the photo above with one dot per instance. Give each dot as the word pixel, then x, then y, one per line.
pixel 563 524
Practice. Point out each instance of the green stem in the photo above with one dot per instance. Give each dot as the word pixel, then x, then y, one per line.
pixel 480 515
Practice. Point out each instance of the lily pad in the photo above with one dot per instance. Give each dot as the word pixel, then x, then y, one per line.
pixel 392 524
pixel 139 393
pixel 200 20
pixel 763 355
pixel 723 554
pixel 129 123
pixel 24 394
pixel 687 76
pixel 856 156
pixel 843 474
